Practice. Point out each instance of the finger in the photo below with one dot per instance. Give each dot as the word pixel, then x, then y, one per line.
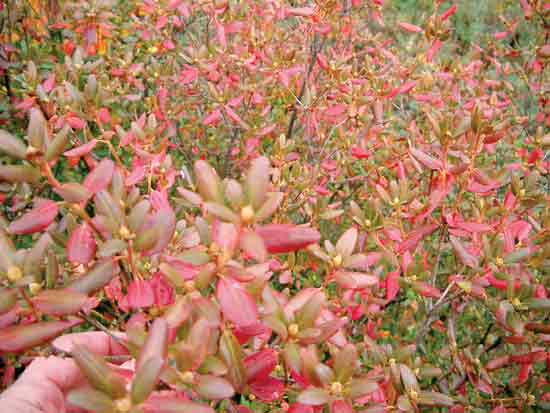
pixel 41 387
pixel 96 341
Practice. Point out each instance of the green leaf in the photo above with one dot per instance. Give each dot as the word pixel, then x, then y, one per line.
pixel 313 397
pixel 12 146
pixel 146 379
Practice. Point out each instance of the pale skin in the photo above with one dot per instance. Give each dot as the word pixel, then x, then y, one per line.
pixel 44 384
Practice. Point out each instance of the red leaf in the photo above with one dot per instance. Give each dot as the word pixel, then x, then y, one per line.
pixel 81 246
pixel 415 237
pixel 449 12
pixel 524 373
pixel 283 238
pixel 260 364
pixel 474 227
pixel 236 303
pixel 245 333
pixel 426 290
pixel 341 406
pixel 268 389
pixel 359 153
pixel 37 219
pixel 300 408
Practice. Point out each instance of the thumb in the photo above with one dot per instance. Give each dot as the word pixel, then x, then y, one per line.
pixel 41 387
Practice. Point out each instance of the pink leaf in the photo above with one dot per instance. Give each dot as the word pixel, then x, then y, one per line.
pixel 282 238
pixel 36 220
pixel 235 118
pixel 346 243
pixel 140 294
pixel 392 285
pixel 236 303
pixel 75 122
pixel 225 235
pixel 22 337
pixel 81 150
pixel 81 246
pixel 188 75
pixel 212 118
pixel 407 87
pixel 355 280
pixel 253 245
pixel 100 177
pixel 432 51
pixel 185 269
pixel 426 160
pixel 341 406
pixel 300 11
pixel 466 258
pixel 220 34
pixel 411 28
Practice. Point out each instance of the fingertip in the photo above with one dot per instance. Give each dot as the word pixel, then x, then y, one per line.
pixel 96 341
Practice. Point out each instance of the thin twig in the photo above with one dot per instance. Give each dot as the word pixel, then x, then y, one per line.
pixel 432 314
pixel 100 326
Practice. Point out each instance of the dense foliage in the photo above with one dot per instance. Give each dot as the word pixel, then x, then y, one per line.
pixel 279 206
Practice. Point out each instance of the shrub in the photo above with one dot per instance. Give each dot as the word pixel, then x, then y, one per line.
pixel 284 206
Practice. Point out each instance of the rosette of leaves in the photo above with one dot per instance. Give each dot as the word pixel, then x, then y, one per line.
pixel 346 268
pixel 402 373
pixel 336 383
pixel 296 322
pixel 247 205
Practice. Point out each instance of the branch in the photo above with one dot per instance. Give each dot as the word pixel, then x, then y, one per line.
pixel 314 51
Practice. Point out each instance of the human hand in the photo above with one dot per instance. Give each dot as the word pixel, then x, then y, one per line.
pixel 45 382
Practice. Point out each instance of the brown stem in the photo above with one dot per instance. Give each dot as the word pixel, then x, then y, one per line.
pixel 29 302
pixel 45 168
pixel 84 215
